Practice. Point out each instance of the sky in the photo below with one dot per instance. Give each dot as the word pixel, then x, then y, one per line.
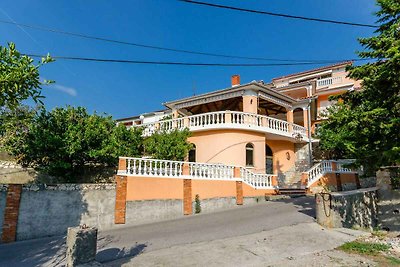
pixel 123 90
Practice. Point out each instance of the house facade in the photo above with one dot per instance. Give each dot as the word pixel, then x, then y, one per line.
pixel 249 139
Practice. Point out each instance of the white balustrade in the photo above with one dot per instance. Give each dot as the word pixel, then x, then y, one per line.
pixel 326 166
pixel 210 171
pixel 142 167
pixel 329 81
pixel 213 120
pixel 256 180
pixel 153 167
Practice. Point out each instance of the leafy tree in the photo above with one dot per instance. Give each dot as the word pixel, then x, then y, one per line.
pixel 67 141
pixel 171 145
pixel 365 124
pixel 19 77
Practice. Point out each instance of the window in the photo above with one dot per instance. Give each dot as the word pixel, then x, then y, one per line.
pixel 192 154
pixel 249 155
pixel 268 160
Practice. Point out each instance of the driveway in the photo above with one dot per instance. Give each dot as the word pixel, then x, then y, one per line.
pixel 129 242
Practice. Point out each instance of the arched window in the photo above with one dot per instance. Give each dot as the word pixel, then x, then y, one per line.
pixel 192 154
pixel 249 155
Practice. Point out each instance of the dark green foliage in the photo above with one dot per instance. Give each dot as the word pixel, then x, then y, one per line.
pixel 172 145
pixel 365 124
pixel 197 206
pixel 19 77
pixel 66 141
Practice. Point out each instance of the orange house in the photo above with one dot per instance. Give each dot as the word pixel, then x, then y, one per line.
pixel 256 134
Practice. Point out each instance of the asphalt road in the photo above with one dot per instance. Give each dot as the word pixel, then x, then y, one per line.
pixel 130 241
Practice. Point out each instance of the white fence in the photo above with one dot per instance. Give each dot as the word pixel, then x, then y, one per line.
pixel 142 167
pixel 227 119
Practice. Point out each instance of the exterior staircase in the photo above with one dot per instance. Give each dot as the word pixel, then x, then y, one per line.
pixel 291 185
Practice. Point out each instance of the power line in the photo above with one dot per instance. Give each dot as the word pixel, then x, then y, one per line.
pixel 128 61
pixel 280 14
pixel 85 36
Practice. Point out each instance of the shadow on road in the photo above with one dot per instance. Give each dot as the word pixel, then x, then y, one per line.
pixel 305 205
pixel 119 255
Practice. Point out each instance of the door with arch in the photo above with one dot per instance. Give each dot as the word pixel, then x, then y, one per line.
pixel 269 164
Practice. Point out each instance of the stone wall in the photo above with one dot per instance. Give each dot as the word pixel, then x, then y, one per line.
pixel 357 208
pixel 3 194
pixel 389 202
pixel 49 210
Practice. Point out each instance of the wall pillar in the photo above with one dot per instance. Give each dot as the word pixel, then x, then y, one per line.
pixel 122 164
pixel 250 102
pixel 239 186
pixel 338 182
pixel 357 180
pixel 13 199
pixel 187 197
pixel 120 199
pixel 289 119
pixel 305 119
pixel 228 116
pixel 239 193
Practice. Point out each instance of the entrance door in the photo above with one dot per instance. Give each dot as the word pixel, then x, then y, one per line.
pixel 269 169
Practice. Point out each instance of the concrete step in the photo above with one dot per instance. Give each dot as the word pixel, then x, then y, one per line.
pixel 292 191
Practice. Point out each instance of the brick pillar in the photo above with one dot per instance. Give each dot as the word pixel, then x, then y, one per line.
pixel 239 193
pixel 187 197
pixel 357 180
pixel 239 186
pixel 304 179
pixel 11 213
pixel 339 182
pixel 120 199
pixel 122 164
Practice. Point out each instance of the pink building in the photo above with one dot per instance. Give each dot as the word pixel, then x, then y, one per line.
pixel 258 134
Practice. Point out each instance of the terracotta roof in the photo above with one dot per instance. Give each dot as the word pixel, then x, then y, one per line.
pixel 315 70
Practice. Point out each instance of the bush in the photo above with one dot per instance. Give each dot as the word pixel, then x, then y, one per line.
pixel 197 204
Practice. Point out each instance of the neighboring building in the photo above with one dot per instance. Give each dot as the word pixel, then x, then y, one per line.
pixel 261 126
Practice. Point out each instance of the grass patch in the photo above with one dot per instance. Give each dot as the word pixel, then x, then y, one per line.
pixel 393 261
pixel 364 248
pixel 379 234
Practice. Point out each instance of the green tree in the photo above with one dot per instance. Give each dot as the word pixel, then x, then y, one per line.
pixel 67 141
pixel 365 124
pixel 19 77
pixel 171 145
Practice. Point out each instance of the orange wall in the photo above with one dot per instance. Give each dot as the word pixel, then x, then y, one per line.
pixel 279 149
pixel 330 179
pixel 147 188
pixel 228 147
pixel 213 189
pixel 249 191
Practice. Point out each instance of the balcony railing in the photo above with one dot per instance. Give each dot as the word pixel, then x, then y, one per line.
pixel 142 167
pixel 228 120
pixel 329 81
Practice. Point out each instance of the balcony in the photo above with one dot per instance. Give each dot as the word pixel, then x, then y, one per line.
pixel 329 81
pixel 229 120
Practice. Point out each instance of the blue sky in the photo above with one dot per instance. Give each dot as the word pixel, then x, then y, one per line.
pixel 124 90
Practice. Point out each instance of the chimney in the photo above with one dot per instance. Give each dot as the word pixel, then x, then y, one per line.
pixel 235 80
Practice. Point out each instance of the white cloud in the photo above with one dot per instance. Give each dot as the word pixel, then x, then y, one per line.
pixel 68 90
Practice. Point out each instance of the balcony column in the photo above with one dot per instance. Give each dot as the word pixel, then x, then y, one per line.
pixel 250 101
pixel 289 119
pixel 228 116
pixel 175 115
pixel 305 118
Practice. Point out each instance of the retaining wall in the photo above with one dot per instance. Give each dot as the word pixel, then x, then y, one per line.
pixel 49 210
pixel 357 208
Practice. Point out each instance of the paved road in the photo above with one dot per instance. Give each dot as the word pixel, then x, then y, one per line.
pixel 130 241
